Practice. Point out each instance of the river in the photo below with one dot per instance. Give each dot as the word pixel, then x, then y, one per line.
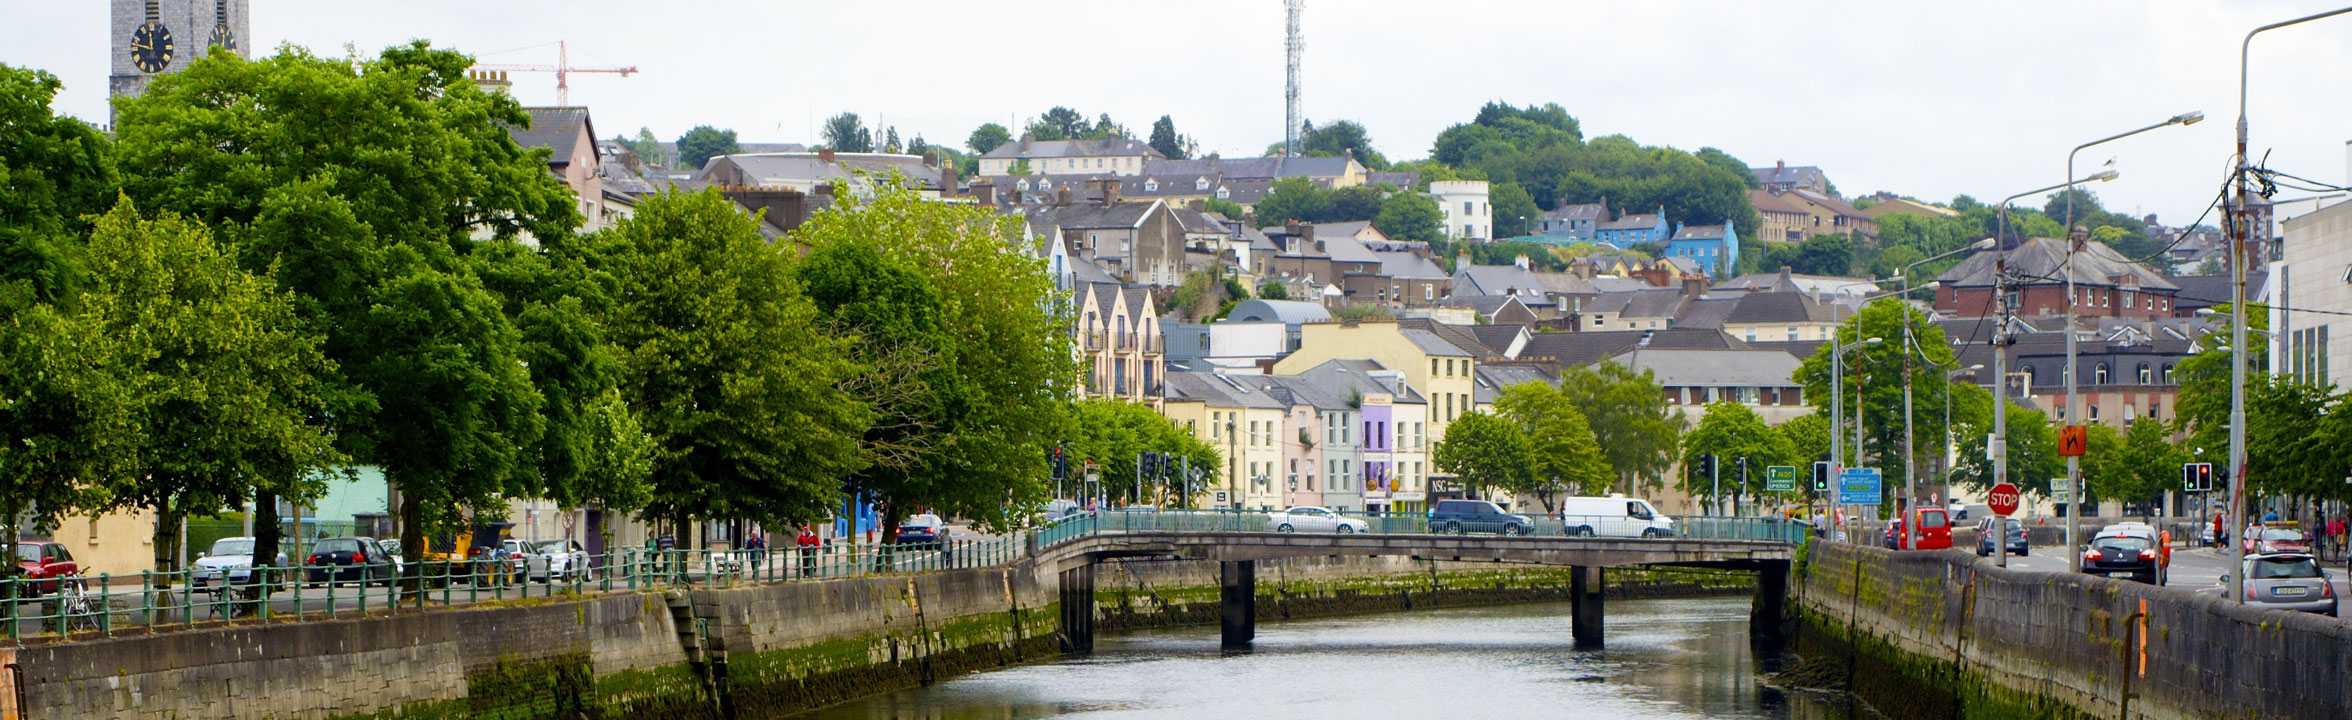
pixel 1665 659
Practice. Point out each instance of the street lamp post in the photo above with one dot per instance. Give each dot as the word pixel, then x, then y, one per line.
pixel 2074 479
pixel 2239 229
pixel 1837 395
pixel 1910 469
pixel 1998 445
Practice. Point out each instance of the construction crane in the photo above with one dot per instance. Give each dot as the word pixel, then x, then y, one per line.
pixel 562 68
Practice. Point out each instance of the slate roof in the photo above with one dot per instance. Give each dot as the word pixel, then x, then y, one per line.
pixel 1790 175
pixel 1606 285
pixel 1497 338
pixel 1585 211
pixel 670 150
pixel 1498 280
pixel 812 167
pixel 1346 249
pixel 1706 312
pixel 2200 291
pixel 1714 368
pixel 1649 302
pixel 1288 311
pixel 1409 266
pixel 1431 344
pixel 1329 385
pixel 1782 307
pixel 617 178
pixel 1636 221
pixel 1265 168
pixel 1406 180
pixel 1091 215
pixel 1460 336
pixel 1699 232
pixel 1799 349
pixel 1107 147
pixel 1488 305
pixel 1566 284
pixel 554 128
pixel 2041 259
pixel 1585 348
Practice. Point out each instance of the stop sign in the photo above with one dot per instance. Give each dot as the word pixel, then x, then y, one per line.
pixel 2003 499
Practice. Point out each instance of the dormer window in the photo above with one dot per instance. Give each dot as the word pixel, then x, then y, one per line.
pixel 1151 186
pixel 1023 185
pixel 1224 193
pixel 1203 184
pixel 1045 184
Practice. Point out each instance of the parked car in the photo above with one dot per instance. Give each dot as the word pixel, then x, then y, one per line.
pixel 2267 540
pixel 228 562
pixel 2015 536
pixel 555 560
pixel 2124 552
pixel 1614 516
pixel 923 531
pixel 1454 517
pixel 2288 581
pixel 44 563
pixel 1309 518
pixel 349 559
pixel 1059 508
pixel 1935 530
pixel 392 548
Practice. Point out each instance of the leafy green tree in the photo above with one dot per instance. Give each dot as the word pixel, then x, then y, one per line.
pixel 1731 432
pixel 1230 209
pixel 2033 454
pixel 1293 198
pixel 699 145
pixel 1484 451
pixel 918 146
pixel 1165 140
pixel 1817 255
pixel 1111 433
pixel 1059 123
pixel 1356 204
pixel 987 137
pixel 892 317
pixel 645 145
pixel 1515 214
pixel 729 367
pixel 1410 217
pixel 1724 161
pixel 365 190
pixel 1560 442
pixel 1630 419
pixel 54 171
pixel 1273 290
pixel 1808 437
pixel 1012 369
pixel 68 416
pixel 1875 376
pixel 846 133
pixel 890 143
pixel 1342 138
pixel 2141 467
pixel 224 377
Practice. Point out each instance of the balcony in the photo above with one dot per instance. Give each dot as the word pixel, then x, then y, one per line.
pixel 1094 341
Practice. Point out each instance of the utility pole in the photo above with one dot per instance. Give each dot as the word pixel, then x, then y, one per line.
pixel 1998 447
pixel 2240 220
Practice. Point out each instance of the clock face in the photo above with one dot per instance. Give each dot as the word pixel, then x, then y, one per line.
pixel 151 47
pixel 221 36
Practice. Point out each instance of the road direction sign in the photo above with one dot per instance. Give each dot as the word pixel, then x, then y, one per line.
pixel 1859 486
pixel 2003 499
pixel 1780 478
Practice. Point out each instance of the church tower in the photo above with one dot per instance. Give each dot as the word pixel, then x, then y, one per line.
pixel 153 37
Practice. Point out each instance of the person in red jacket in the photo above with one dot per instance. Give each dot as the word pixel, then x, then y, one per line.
pixel 808 543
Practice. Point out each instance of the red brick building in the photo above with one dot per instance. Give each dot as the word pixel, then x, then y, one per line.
pixel 2106 283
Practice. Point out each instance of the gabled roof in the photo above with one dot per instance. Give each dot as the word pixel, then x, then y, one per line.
pixel 1780 307
pixel 1566 284
pixel 1405 180
pixel 1409 266
pixel 1498 280
pixel 1034 149
pixel 1487 305
pixel 1463 337
pixel 1585 348
pixel 1265 168
pixel 1636 221
pixel 2200 291
pixel 1705 312
pixel 1648 302
pixel 555 128
pixel 1714 368
pixel 2042 260
pixel 780 168
pixel 1344 248
pixel 1700 232
pixel 1586 211
pixel 1431 344
pixel 1790 175
pixel 1093 216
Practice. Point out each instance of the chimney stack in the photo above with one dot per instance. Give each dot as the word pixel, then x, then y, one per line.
pixel 983 192
pixel 1110 191
pixel 1062 196
pixel 825 154
pixel 2078 237
pixel 1694 286
pixel 1520 261
pixel 949 180
pixel 491 81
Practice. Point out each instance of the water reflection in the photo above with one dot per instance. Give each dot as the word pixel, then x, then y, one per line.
pixel 1665 659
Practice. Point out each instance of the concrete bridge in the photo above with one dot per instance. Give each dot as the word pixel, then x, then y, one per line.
pixel 1237 552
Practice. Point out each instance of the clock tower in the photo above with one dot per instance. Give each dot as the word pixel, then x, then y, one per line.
pixel 153 37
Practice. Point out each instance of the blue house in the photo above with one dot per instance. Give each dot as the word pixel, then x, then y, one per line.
pixel 1635 228
pixel 1714 247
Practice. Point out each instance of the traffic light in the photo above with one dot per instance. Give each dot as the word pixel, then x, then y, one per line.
pixel 1706 466
pixel 2197 477
pixel 1821 476
pixel 1061 463
pixel 1742 462
pixel 1151 463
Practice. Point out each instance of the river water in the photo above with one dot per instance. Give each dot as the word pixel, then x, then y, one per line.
pixel 1664 659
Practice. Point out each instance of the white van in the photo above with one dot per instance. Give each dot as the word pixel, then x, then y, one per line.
pixel 1613 516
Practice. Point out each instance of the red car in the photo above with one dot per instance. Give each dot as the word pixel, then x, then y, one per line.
pixel 2264 541
pixel 43 563
pixel 1935 530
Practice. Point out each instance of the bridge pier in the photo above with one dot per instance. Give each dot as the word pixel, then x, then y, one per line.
pixel 1584 591
pixel 1078 610
pixel 1237 612
pixel 1768 621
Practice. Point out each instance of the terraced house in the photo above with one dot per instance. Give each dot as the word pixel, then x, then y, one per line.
pixel 1118 334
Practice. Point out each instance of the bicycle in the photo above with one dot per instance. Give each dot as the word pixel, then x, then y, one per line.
pixel 77 609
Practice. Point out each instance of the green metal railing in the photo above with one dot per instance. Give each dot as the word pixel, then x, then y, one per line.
pixel 103 605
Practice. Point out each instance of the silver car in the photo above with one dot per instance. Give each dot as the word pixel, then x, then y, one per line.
pixel 2289 581
pixel 1308 518
pixel 228 562
pixel 557 560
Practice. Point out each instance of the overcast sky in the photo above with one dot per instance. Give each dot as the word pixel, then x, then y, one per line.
pixel 1923 99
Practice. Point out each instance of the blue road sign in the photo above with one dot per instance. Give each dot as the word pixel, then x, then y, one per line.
pixel 1858 486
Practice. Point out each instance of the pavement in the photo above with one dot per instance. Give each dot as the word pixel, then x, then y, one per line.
pixel 2193 569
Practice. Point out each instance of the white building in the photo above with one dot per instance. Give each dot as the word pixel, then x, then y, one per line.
pixel 1463 204
pixel 2310 275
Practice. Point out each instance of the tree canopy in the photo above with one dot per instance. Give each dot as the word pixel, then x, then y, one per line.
pixel 1731 432
pixel 1629 417
pixel 704 142
pixel 846 133
pixel 1560 442
pixel 987 137
pixel 1484 451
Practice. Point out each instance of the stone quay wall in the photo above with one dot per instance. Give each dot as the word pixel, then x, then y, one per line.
pixel 1946 634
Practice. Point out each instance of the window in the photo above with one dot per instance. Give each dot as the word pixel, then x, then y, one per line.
pixel 2099 374
pixel 1792 334
pixel 1466 207
pixel 2094 412
pixel 1201 183
pixel 2145 375
pixel 1224 193
pixel 1023 185
pixel 2168 373
pixel 1433 366
pixel 2130 411
pixel 1151 186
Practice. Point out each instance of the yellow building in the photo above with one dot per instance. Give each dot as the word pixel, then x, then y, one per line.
pixel 1237 415
pixel 1441 371
pixel 117 543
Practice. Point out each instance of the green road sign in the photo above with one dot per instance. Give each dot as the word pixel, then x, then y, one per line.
pixel 1780 478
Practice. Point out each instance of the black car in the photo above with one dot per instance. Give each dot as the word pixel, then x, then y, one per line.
pixel 1454 517
pixel 2117 554
pixel 349 559
pixel 1984 536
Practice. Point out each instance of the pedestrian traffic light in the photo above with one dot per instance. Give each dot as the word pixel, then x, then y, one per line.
pixel 1821 476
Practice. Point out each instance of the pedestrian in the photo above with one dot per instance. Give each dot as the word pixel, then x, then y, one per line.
pixel 758 546
pixel 808 543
